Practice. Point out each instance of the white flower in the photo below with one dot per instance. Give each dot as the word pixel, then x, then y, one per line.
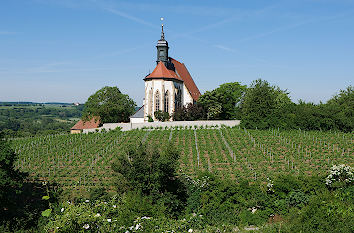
pixel 340 173
pixel 97 215
pixel 87 201
pixel 86 226
pixel 190 230
pixel 114 206
pixel 62 210
pixel 137 226
pixel 109 220
pixel 254 209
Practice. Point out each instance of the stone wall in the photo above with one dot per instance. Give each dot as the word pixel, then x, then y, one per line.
pixel 169 124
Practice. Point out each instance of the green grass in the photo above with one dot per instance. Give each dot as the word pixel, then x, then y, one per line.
pixel 82 162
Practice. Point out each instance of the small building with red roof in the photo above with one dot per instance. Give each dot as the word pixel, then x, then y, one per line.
pixel 81 125
pixel 170 86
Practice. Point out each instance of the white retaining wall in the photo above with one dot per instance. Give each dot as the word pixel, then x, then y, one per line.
pixel 130 126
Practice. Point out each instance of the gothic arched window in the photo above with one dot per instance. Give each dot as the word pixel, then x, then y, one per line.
pixel 157 101
pixel 178 98
pixel 150 102
pixel 166 99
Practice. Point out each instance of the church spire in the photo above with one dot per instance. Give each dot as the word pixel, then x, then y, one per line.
pixel 162 33
pixel 162 48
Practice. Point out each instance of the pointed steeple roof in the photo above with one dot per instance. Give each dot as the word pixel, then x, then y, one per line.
pixel 161 71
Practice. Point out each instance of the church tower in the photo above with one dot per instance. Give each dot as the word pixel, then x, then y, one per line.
pixel 162 49
pixel 169 86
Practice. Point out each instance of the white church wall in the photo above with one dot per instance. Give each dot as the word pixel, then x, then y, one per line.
pixel 162 86
pixel 187 98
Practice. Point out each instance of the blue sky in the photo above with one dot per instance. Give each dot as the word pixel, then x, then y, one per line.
pixel 65 50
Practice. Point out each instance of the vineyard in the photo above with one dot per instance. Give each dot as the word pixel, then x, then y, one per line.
pixel 83 161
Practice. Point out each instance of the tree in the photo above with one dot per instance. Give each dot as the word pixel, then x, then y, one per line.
pixel 227 97
pixel 20 200
pixel 214 111
pixel 264 106
pixel 152 173
pixel 337 113
pixel 342 109
pixel 191 112
pixel 147 169
pixel 10 180
pixel 110 105
pixel 162 116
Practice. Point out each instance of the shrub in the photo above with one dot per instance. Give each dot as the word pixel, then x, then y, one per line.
pixel 297 198
pixel 151 172
pixel 340 176
pixel 162 116
pixel 191 112
pixel 98 193
pixel 150 119
pixel 324 213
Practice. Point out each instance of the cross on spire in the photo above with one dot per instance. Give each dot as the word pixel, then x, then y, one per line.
pixel 162 33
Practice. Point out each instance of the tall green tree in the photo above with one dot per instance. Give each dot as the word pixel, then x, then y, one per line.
pixel 10 184
pixel 20 200
pixel 110 105
pixel 10 180
pixel 264 106
pixel 342 109
pixel 222 103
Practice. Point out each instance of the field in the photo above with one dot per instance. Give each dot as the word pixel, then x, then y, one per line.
pixel 83 161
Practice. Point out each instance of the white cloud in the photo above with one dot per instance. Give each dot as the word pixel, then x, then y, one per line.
pixel 293 25
pixel 130 17
pixel 225 48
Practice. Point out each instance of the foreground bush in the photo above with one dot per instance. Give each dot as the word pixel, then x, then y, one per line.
pixel 152 173
pixel 301 204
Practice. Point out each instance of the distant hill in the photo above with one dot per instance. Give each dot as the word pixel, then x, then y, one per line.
pixel 31 103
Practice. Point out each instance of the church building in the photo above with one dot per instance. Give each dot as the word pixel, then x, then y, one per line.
pixel 170 86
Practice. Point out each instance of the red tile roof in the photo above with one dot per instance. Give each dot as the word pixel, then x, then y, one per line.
pixel 187 78
pixel 161 71
pixel 93 123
